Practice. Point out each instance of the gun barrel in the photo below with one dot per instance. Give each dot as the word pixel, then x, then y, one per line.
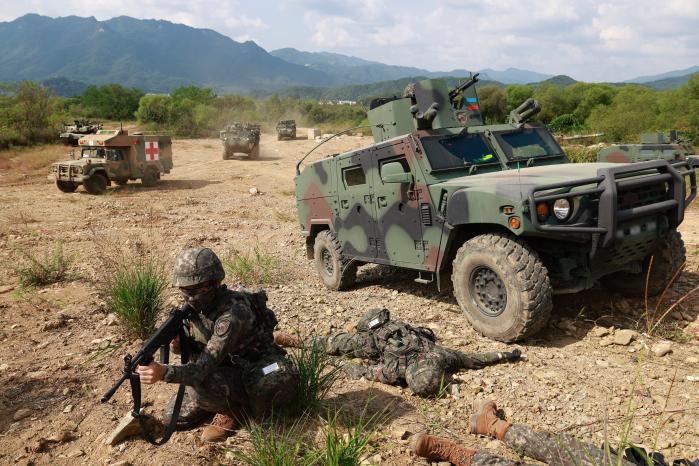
pixel 110 393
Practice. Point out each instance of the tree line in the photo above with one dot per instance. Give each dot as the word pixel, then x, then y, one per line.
pixel 30 113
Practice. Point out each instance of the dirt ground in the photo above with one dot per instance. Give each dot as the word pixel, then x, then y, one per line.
pixel 61 351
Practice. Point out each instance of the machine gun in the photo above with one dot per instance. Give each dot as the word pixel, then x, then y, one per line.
pixel 463 86
pixel 173 327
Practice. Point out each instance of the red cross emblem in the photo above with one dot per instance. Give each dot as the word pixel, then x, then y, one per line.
pixel 152 151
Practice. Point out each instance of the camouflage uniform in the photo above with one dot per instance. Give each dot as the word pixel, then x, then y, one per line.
pixel 236 368
pixel 402 353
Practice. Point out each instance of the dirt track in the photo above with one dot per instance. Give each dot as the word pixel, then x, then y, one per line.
pixel 51 366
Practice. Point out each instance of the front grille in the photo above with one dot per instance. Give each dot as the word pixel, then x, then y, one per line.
pixel 63 170
pixel 644 195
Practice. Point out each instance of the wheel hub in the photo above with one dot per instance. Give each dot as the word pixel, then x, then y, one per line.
pixel 327 261
pixel 488 291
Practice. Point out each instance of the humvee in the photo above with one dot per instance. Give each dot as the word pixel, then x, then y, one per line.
pixel 240 138
pixel 653 146
pixel 286 129
pixel 114 156
pixel 72 133
pixel 498 208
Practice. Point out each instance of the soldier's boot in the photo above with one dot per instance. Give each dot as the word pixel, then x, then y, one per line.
pixel 440 449
pixel 287 340
pixel 222 427
pixel 485 421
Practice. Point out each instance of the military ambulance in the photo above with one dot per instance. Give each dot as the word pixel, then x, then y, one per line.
pixel 114 156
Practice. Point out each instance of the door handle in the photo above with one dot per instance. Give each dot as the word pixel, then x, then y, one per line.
pixel 381 201
pixel 344 203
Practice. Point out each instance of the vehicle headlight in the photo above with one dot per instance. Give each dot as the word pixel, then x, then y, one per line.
pixel 561 209
pixel 77 169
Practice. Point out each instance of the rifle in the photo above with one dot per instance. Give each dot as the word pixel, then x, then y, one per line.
pixel 160 340
pixel 463 86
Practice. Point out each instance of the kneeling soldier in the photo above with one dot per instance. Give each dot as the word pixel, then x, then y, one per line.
pixel 236 369
pixel 400 353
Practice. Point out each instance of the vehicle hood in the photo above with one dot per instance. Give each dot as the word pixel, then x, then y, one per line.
pixel 514 183
pixel 81 162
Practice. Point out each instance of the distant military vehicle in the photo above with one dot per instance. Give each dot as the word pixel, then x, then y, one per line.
pixel 241 138
pixel 499 208
pixel 114 156
pixel 71 133
pixel 286 129
pixel 653 146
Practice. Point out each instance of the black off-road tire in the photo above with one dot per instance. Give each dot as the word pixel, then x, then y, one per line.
pixel 335 271
pixel 255 152
pixel 150 178
pixel 279 137
pixel 668 257
pixel 502 286
pixel 66 186
pixel 96 183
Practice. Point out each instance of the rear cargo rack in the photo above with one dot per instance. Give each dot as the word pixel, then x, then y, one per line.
pixel 612 180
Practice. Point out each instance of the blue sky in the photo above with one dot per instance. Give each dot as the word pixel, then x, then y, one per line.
pixel 586 39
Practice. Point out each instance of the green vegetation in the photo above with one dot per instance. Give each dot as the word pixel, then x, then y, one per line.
pixel 135 293
pixel 317 373
pixel 37 269
pixel 30 114
pixel 256 268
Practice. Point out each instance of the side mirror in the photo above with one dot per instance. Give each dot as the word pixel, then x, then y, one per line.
pixel 393 172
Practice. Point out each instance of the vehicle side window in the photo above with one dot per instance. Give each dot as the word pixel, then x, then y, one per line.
pixel 401 160
pixel 354 176
pixel 115 155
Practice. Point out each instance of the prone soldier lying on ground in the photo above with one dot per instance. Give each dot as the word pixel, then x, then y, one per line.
pixel 236 370
pixel 399 352
pixel 552 449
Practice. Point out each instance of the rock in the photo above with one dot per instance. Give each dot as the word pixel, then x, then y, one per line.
pixel 662 348
pixel 606 341
pixel 402 434
pixel 36 374
pixel 376 459
pixel 624 337
pixel 65 391
pixel 111 319
pixel 21 414
pixel 602 363
pixel 68 409
pixel 254 191
pixel 75 453
pixel 126 463
pixel 4 367
pixel 693 378
pixel 690 360
pixel 599 332
pixel 128 427
pixel 62 437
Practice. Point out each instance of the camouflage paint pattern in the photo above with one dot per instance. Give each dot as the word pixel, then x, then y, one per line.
pixel 653 146
pixel 240 138
pixel 420 224
pixel 286 129
pixel 122 157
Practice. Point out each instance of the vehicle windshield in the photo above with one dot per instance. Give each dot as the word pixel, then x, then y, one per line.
pixel 459 151
pixel 94 152
pixel 527 143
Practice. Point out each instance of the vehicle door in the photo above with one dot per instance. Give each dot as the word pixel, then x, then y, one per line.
pixel 398 226
pixel 117 165
pixel 355 224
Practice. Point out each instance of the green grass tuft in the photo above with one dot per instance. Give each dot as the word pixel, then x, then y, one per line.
pixel 258 268
pixel 42 269
pixel 317 374
pixel 345 447
pixel 135 293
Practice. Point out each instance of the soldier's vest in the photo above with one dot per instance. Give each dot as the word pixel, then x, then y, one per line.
pixel 258 341
pixel 397 339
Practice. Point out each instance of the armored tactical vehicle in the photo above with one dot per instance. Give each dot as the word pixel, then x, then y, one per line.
pixel 653 146
pixel 72 133
pixel 114 156
pixel 497 208
pixel 240 138
pixel 286 129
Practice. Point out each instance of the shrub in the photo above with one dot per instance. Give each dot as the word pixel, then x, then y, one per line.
pixel 345 447
pixel 273 444
pixel 135 293
pixel 42 269
pixel 317 374
pixel 581 154
pixel 253 269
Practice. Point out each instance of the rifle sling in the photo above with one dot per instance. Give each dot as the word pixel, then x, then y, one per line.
pixel 136 393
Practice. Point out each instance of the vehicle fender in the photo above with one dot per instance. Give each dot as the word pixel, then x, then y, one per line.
pixel 94 170
pixel 482 206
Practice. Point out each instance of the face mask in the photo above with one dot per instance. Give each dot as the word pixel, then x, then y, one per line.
pixel 200 301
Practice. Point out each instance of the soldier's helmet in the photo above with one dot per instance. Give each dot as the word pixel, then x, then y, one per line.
pixel 195 266
pixel 424 377
pixel 373 319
